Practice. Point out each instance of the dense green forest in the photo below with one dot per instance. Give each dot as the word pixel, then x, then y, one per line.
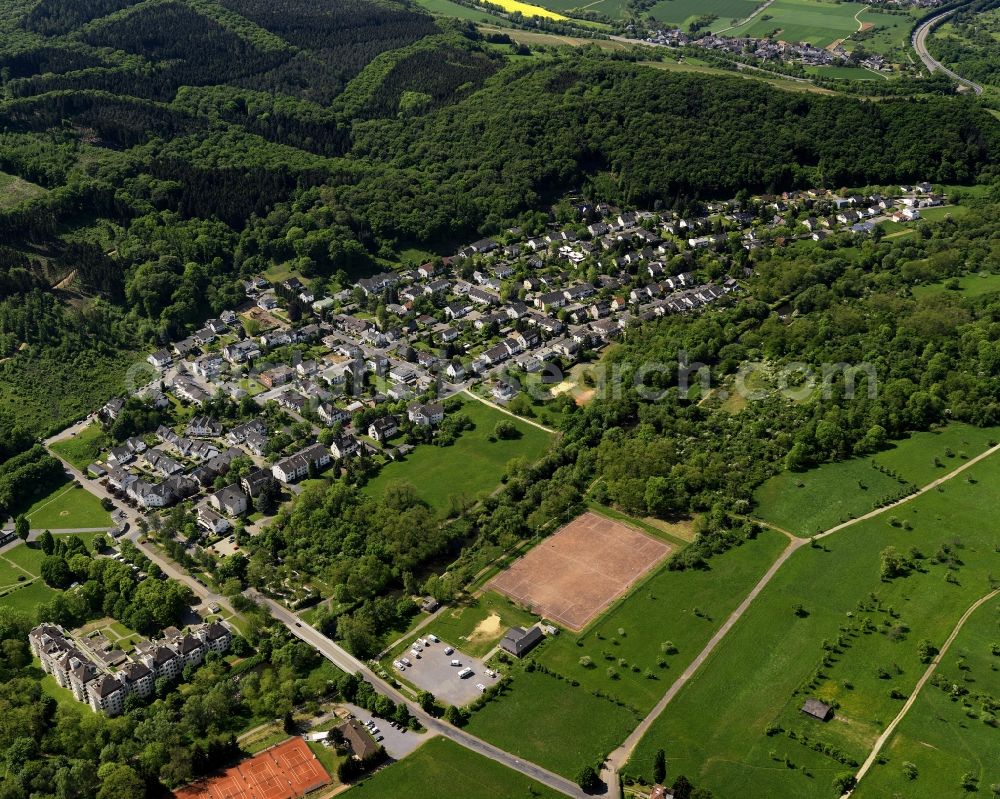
pixel 186 143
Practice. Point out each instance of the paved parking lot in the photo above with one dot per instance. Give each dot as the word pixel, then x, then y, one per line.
pixel 433 672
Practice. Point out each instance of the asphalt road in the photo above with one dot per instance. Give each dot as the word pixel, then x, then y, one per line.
pixel 920 45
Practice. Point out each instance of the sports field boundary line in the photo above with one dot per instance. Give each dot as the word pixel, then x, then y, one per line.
pixel 881 741
pixel 50 500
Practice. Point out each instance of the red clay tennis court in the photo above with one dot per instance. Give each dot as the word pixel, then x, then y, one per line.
pixel 286 771
pixel 574 575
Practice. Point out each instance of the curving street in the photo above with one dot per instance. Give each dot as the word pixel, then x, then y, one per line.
pixel 920 45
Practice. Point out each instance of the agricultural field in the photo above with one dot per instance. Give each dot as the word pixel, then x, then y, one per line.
pixel 84 448
pixel 441 769
pixel 15 190
pixel 446 8
pixel 947 736
pixel 477 626
pixel 545 719
pixel 682 12
pixel 446 477
pixel 975 285
pixel 819 23
pixel 68 507
pixel 805 503
pixel 527 9
pixel 679 608
pixel 834 626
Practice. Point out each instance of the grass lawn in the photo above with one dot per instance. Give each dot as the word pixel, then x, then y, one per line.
pixel 328 757
pixel 28 598
pixel 856 646
pixel 68 507
pixel 548 721
pixel 472 465
pixel 819 23
pixel 940 212
pixel 944 736
pixel 27 557
pixel 661 609
pixel 974 285
pixel 10 575
pixel 808 502
pixel 15 190
pixel 441 769
pixel 466 626
pixel 63 696
pixel 84 448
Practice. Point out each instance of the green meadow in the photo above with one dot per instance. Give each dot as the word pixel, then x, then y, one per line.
pixel 829 626
pixel 441 769
pixel 805 503
pixel 549 721
pixel 84 448
pixel 975 285
pixel 15 190
pixel 949 732
pixel 446 476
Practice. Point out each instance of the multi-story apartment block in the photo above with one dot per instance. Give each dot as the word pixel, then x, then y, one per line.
pixel 91 680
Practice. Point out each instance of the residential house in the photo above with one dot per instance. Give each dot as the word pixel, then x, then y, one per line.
pixel 426 415
pixel 297 466
pixel 383 429
pixel 160 359
pixel 255 481
pixel 344 446
pixel 230 500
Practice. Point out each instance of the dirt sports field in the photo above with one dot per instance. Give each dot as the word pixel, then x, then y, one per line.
pixel 285 771
pixel 574 575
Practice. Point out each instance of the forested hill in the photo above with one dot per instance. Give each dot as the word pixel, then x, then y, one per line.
pixel 176 145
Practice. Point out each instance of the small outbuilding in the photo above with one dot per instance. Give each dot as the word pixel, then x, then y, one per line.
pixel 519 641
pixel 817 709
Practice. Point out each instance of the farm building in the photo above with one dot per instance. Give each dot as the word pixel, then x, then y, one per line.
pixel 817 709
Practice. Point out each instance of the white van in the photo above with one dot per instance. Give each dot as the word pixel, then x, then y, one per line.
pixel 464 674
pixel 456 663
